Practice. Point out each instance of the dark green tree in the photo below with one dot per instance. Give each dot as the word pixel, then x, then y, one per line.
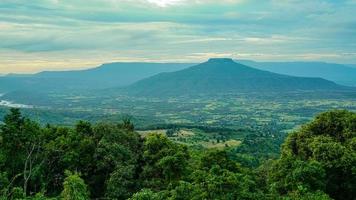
pixel 165 162
pixel 319 157
pixel 117 151
pixel 122 182
pixel 21 152
pixel 84 128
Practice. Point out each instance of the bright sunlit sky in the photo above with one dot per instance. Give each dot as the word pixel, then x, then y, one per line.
pixel 40 35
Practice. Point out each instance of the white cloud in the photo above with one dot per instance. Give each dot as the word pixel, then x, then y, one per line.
pixel 164 3
pixel 69 33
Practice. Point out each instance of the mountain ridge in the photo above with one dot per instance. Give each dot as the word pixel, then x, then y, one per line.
pixel 339 73
pixel 104 76
pixel 224 76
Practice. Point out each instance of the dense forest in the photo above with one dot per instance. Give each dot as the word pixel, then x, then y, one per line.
pixel 112 161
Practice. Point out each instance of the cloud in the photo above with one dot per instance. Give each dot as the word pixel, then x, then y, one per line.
pixel 167 3
pixel 93 31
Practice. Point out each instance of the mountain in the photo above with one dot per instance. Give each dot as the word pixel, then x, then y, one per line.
pixel 221 76
pixel 118 74
pixel 341 74
pixel 104 76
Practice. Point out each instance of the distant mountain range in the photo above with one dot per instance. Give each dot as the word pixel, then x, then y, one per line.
pixel 225 76
pixel 214 76
pixel 341 74
pixel 104 76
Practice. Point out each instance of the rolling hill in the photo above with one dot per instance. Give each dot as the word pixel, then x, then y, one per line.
pixel 341 74
pixel 221 76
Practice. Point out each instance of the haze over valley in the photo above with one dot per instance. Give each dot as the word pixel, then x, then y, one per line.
pixel 165 93
pixel 177 100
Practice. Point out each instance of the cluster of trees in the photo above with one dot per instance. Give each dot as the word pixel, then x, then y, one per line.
pixel 112 161
pixel 256 148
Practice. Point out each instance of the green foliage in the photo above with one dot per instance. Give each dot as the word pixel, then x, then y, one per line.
pixel 121 183
pixel 74 188
pixel 218 158
pixel 185 190
pixel 302 194
pixel 20 151
pixel 320 156
pixel 164 161
pixel 222 184
pixel 84 128
pixel 17 193
pixel 256 148
pixel 172 131
pixel 145 194
pixel 127 124
pixel 112 161
pixel 289 174
pixel 68 151
pixel 118 150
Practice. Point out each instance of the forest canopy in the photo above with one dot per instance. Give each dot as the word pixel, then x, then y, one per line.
pixel 112 161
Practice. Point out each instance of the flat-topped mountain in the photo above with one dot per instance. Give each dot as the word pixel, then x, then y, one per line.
pixel 218 76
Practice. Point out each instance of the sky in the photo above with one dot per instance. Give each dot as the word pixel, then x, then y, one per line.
pixel 41 35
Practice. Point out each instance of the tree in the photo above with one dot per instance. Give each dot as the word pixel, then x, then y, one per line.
pixel 21 150
pixel 69 150
pixel 145 194
pixel 171 132
pixel 219 158
pixel 84 128
pixel 74 187
pixel 317 162
pixel 165 162
pixel 117 150
pixel 288 175
pixel 122 182
pixel 127 124
pixel 218 183
pixel 321 156
pixel 185 190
